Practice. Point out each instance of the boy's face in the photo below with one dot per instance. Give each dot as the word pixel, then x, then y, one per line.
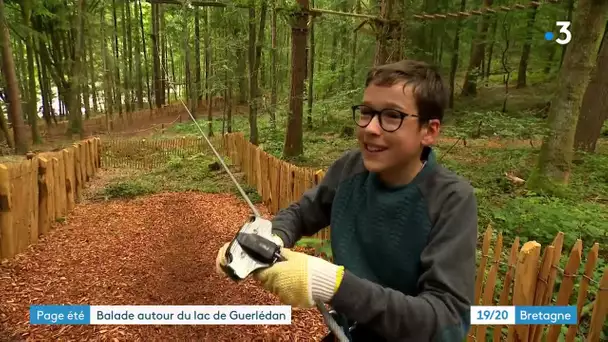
pixel 393 151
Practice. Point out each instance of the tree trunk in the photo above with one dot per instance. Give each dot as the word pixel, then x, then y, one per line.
pixel 129 89
pixel 144 46
pixel 106 68
pixel 299 32
pixel 525 55
pixel 570 9
pixel 555 160
pixel 241 71
pixel 273 66
pixel 594 110
pixel 258 49
pixel 116 62
pixel 353 54
pixel 311 64
pixel 84 83
pixel 4 130
pixel 227 74
pixel 44 91
pixel 126 56
pixel 387 38
pixel 253 127
pixel 94 93
pixel 32 99
pixel 172 69
pixel 186 47
pixel 229 107
pixel 197 60
pixel 138 73
pixel 469 86
pixel 208 71
pixel 456 55
pixel 74 83
pixel 158 86
pixel 21 69
pixel 12 86
pixel 163 46
pixel 488 70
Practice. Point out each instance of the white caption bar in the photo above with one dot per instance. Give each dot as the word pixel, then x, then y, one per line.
pixel 190 314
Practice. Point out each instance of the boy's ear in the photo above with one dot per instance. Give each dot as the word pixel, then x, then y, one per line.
pixel 431 132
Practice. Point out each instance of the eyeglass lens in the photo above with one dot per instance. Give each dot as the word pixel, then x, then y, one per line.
pixel 390 120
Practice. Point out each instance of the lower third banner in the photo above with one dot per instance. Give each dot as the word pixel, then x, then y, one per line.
pixel 161 314
pixel 523 315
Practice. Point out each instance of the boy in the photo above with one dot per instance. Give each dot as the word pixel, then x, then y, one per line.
pixel 403 228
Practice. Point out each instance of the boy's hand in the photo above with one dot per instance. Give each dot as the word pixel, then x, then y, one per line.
pixel 220 260
pixel 301 279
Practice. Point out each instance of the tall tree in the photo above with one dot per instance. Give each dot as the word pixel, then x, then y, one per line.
pixel 387 38
pixel 273 65
pixel 107 69
pixel 158 73
pixel 594 110
pixel 32 100
pixel 197 60
pixel 299 35
pixel 525 54
pixel 555 160
pixel 477 52
pixel 73 85
pixel 456 54
pixel 116 61
pixel 144 47
pixel 12 86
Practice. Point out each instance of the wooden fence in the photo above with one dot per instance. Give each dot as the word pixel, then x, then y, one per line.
pixel 523 277
pixel 149 153
pixel 41 189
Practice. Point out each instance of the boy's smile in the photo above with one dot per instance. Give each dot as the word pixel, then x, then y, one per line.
pixel 374 148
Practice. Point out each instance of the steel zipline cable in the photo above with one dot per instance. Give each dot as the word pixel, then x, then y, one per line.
pixel 333 326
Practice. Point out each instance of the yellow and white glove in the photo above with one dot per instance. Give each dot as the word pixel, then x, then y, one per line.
pixel 301 279
pixel 220 260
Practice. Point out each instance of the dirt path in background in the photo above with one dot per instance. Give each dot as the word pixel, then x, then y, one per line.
pixel 157 250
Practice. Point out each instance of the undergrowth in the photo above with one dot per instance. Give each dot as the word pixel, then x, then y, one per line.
pixel 581 213
pixel 198 173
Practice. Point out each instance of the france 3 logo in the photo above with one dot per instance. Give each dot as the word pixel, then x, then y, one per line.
pixel 564 37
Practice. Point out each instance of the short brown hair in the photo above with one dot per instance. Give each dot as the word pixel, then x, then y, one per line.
pixel 430 92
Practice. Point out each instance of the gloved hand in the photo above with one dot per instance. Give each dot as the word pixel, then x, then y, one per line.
pixel 220 260
pixel 301 279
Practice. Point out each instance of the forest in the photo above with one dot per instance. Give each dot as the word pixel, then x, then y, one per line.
pixel 527 122
pixel 287 73
pixel 292 70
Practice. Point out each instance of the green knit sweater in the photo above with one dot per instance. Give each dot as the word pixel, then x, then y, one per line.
pixel 408 251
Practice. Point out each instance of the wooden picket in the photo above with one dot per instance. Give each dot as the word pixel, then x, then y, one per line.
pixel 41 189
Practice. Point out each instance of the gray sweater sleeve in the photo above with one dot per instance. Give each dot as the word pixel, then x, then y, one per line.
pixel 441 310
pixel 312 211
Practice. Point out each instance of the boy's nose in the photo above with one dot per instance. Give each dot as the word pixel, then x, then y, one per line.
pixel 374 126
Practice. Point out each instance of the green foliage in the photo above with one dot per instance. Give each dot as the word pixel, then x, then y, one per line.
pixel 540 218
pixel 180 174
pixel 496 124
pixel 251 192
pixel 129 188
pixel 322 248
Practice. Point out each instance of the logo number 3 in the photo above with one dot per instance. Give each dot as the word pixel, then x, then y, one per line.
pixel 565 29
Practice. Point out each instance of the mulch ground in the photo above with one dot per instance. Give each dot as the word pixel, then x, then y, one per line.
pixel 157 250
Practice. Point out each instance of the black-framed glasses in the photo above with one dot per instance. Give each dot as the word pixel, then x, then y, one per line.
pixel 390 119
